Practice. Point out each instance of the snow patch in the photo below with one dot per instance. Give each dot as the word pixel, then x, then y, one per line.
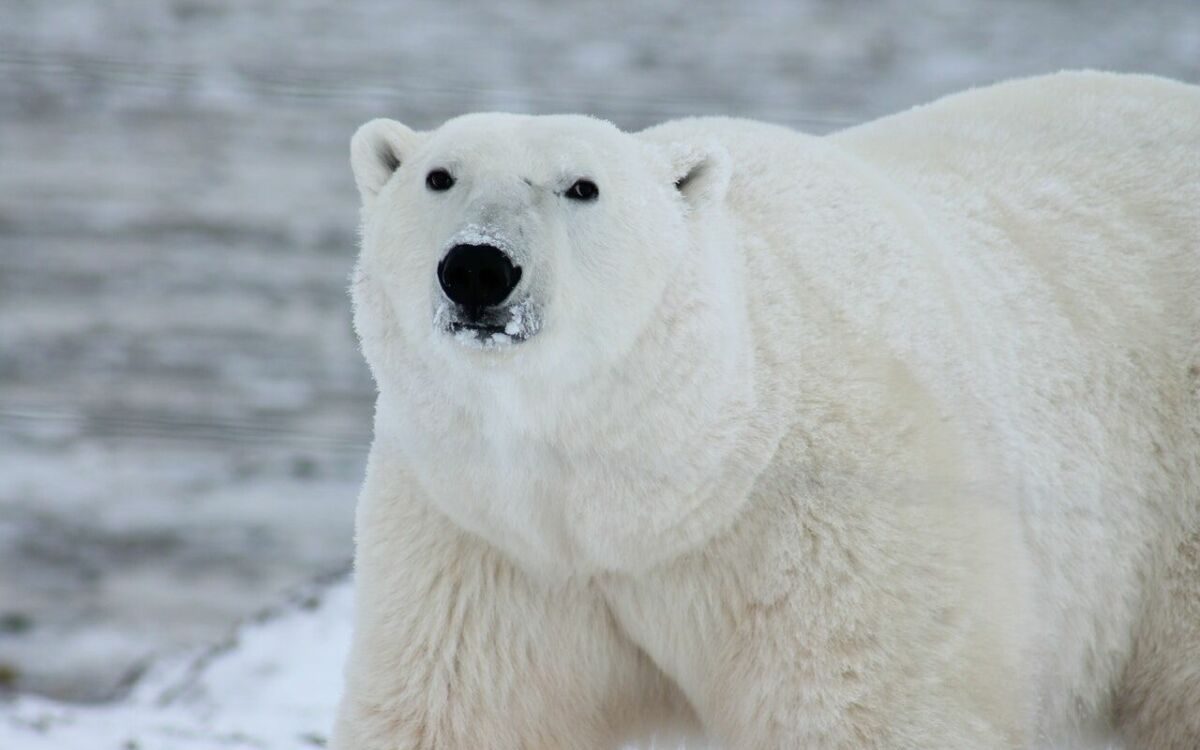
pixel 474 234
pixel 516 318
pixel 274 684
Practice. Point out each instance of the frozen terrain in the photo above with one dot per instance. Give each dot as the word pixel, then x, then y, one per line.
pixel 183 413
pixel 245 693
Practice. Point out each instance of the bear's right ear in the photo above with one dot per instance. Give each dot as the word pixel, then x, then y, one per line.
pixel 377 149
pixel 700 171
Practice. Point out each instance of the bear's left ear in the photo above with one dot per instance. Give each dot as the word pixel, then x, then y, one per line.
pixel 377 149
pixel 700 171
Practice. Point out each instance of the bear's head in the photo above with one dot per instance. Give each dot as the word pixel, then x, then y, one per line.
pixel 547 306
pixel 542 242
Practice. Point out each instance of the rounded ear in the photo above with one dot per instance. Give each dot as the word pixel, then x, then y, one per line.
pixel 700 171
pixel 377 149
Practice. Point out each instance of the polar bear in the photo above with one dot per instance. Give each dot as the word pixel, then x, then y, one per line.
pixel 884 439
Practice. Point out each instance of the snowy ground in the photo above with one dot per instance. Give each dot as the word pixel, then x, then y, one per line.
pixel 247 693
pixel 183 414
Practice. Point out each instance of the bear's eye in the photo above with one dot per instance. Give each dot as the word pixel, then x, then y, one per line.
pixel 439 180
pixel 583 190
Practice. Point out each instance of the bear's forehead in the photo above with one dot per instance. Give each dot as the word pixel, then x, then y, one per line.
pixel 501 136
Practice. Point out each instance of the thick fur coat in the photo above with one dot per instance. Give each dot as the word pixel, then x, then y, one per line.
pixel 886 439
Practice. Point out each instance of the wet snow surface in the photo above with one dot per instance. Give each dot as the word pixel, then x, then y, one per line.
pixel 183 413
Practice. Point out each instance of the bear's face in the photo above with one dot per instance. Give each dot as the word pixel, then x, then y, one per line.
pixel 542 243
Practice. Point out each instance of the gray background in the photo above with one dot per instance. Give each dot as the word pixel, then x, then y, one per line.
pixel 183 413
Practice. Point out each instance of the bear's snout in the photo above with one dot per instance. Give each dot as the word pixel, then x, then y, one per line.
pixel 477 276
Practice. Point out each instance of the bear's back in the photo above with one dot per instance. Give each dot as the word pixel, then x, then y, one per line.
pixel 1089 180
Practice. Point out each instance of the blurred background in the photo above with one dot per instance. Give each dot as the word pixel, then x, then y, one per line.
pixel 183 413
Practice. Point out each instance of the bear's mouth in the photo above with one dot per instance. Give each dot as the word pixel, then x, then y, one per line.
pixel 486 331
pixel 503 326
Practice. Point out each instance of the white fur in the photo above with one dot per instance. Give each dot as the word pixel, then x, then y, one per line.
pixel 888 439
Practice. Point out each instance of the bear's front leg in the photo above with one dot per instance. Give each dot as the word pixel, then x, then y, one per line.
pixel 454 647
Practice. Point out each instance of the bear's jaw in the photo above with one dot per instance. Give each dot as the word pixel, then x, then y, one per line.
pixel 507 326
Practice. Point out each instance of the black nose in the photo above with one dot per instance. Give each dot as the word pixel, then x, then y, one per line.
pixel 477 276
